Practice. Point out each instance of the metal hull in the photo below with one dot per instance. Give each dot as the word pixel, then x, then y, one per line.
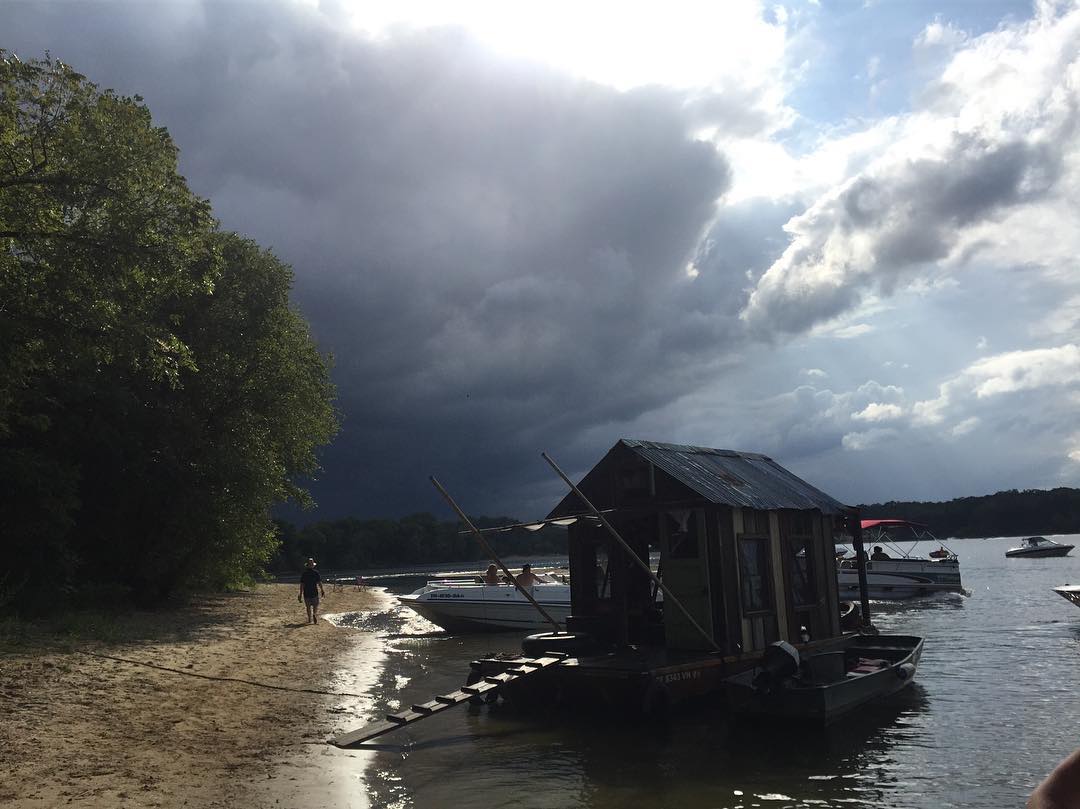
pixel 900 579
pixel 489 608
pixel 821 703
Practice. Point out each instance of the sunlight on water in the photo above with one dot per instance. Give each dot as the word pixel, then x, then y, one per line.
pixel 989 714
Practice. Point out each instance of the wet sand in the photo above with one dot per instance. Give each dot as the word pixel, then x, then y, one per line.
pixel 90 731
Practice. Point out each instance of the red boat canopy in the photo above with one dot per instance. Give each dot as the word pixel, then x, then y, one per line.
pixel 873 523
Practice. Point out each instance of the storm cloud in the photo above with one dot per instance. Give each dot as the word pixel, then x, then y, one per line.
pixel 494 253
pixel 504 257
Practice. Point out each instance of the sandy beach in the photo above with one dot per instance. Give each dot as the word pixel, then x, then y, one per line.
pixel 136 710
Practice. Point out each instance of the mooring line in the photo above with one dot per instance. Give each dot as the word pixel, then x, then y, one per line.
pixel 217 679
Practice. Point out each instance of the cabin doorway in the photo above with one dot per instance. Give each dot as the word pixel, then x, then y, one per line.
pixel 684 561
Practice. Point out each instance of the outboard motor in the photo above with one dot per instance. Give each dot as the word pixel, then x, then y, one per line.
pixel 780 661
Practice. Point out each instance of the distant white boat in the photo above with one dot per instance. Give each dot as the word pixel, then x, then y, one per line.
pixel 900 576
pixel 468 605
pixel 1038 547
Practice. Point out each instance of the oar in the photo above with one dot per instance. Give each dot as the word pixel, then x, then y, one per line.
pixel 630 552
pixel 494 555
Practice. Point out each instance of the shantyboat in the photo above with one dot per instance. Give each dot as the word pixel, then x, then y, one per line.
pixel 745 560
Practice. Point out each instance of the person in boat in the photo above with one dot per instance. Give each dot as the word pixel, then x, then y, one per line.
pixel 878 554
pixel 526 578
pixel 492 575
pixel 310 589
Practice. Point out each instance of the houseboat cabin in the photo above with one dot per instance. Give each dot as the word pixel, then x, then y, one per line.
pixel 742 543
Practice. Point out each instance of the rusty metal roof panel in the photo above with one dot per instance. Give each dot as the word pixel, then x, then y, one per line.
pixel 743 479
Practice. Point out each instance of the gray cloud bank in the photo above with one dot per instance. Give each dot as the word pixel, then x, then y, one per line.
pixel 494 253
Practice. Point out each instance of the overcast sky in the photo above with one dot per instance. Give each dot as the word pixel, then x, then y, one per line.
pixel 840 234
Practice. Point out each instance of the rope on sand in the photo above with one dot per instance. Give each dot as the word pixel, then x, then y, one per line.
pixel 216 679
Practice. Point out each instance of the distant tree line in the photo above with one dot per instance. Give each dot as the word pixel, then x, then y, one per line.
pixel 157 391
pixel 1007 513
pixel 420 539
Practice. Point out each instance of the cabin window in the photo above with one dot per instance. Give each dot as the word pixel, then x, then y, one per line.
pixel 754 574
pixel 682 534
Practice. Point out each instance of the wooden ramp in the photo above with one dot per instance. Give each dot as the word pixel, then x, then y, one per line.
pixel 521 667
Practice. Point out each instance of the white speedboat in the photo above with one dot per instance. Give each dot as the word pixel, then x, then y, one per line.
pixel 1038 547
pixel 892 572
pixel 468 605
pixel 1070 592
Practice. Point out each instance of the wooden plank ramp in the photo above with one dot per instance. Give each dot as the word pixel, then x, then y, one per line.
pixel 518 668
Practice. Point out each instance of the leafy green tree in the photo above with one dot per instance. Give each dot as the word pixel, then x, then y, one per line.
pixel 157 391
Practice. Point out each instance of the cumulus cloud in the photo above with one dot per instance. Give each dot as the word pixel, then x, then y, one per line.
pixel 939 34
pixel 869 439
pixel 1011 372
pixel 996 134
pixel 878 411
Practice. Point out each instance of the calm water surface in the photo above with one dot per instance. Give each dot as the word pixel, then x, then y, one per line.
pixel 994 707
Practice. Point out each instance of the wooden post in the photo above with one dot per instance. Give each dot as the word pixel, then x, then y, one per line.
pixel 668 595
pixel 494 555
pixel 855 523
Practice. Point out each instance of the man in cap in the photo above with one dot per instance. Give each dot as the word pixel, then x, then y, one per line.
pixel 310 589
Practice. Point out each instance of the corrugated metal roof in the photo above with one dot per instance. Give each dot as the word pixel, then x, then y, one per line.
pixel 743 479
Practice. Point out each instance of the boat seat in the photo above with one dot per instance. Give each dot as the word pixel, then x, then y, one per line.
pixel 868 665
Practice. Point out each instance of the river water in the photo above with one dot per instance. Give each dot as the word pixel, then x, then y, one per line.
pixel 995 705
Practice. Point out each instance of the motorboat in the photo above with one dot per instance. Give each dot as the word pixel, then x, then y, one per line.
pixel 1038 547
pixel 826 684
pixel 1070 592
pixel 469 605
pixel 896 574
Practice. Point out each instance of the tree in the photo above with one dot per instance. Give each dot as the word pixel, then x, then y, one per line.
pixel 157 392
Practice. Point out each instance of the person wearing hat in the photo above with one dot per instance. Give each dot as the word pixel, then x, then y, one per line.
pixel 310 589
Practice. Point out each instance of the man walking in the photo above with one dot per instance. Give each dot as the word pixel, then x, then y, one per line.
pixel 310 589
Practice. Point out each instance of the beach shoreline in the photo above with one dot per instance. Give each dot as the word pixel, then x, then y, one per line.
pixel 228 700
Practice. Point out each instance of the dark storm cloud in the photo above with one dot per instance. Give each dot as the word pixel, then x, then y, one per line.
pixel 494 253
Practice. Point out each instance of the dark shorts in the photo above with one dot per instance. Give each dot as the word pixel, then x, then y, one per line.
pixel 311 601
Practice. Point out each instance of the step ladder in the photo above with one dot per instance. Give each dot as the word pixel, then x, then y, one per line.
pixel 518 668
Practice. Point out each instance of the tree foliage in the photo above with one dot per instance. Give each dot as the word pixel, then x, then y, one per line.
pixel 419 539
pixel 1004 514
pixel 157 392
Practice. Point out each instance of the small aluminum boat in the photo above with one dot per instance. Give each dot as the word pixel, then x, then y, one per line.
pixel 1038 547
pixel 827 684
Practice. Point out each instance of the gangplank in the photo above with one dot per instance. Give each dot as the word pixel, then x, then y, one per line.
pixel 521 667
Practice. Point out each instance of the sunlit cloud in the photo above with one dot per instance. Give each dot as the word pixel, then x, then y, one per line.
pixel 995 136
pixel 877 411
pixel 1002 374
